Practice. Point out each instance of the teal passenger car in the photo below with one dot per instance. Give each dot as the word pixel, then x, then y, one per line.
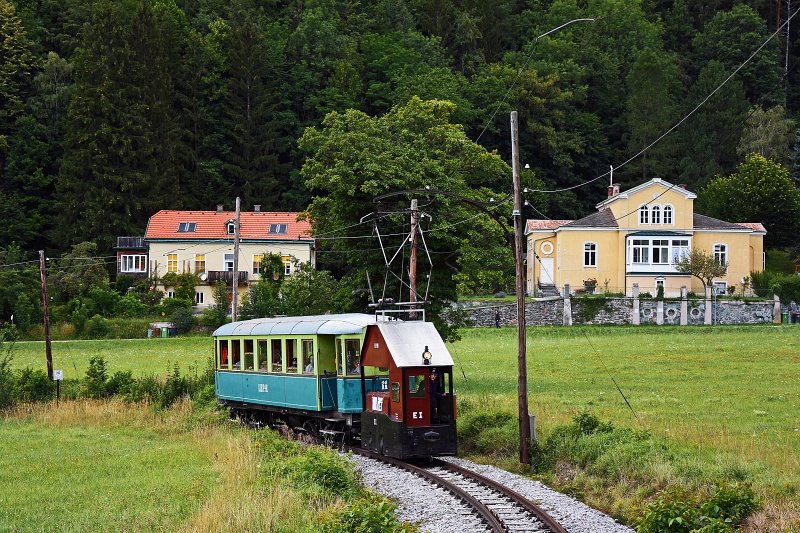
pixel 305 369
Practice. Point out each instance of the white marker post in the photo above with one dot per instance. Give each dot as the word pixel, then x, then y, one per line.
pixel 58 375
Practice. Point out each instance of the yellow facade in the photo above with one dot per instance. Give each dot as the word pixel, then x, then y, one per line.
pixel 635 238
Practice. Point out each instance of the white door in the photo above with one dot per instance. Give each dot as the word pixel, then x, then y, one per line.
pixel 546 273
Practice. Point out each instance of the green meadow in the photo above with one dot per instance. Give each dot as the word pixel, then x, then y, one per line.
pixel 725 399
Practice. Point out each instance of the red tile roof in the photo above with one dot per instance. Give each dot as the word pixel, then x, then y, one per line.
pixel 534 225
pixel 213 225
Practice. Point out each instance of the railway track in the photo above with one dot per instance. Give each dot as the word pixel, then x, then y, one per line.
pixel 499 508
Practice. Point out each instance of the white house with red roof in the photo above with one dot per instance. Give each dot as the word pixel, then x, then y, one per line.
pixel 202 242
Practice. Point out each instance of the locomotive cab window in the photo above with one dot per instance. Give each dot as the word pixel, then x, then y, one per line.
pixel 416 386
pixel 277 355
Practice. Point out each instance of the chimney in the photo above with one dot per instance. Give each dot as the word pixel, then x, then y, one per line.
pixel 220 208
pixel 256 208
pixel 613 190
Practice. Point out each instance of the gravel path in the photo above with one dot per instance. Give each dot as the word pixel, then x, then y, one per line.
pixel 436 511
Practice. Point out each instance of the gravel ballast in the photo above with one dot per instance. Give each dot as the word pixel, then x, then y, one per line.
pixel 437 511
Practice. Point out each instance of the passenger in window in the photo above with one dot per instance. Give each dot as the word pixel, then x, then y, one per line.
pixel 310 367
pixel 352 362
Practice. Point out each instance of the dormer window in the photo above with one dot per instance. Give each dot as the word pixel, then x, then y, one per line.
pixel 644 215
pixel 278 228
pixel 187 227
pixel 231 225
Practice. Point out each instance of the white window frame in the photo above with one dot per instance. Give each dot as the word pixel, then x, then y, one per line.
pixel 655 214
pixel 662 282
pixel 227 262
pixel 257 260
pixel 133 263
pixel 287 265
pixel 664 255
pixel 231 228
pixel 644 250
pixel 198 261
pixel 590 248
pixel 676 249
pixel 169 294
pixel 720 252
pixel 644 214
pixel 199 298
pixel 668 209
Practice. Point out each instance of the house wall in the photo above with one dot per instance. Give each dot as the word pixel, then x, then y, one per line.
pixel 626 209
pixel 739 255
pixel 214 252
pixel 570 261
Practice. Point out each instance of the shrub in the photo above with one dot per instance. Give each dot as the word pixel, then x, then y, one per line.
pixel 323 473
pixel 175 387
pixel 182 319
pixel 97 327
pixel 146 388
pixel 371 514
pixel 130 307
pixel 7 385
pixel 105 300
pixel 96 378
pixel 34 386
pixel 120 383
pixel 488 433
pixel 674 510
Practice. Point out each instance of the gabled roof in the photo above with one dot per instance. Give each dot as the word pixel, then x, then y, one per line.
pixel 602 219
pixel 704 222
pixel 544 225
pixel 655 182
pixel 407 340
pixel 205 225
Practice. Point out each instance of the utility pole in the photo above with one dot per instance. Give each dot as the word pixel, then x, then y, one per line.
pixel 522 366
pixel 46 310
pixel 412 266
pixel 235 282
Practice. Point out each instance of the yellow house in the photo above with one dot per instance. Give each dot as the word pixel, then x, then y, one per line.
pixel 635 237
pixel 202 242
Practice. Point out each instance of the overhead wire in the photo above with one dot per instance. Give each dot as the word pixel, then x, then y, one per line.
pixel 680 122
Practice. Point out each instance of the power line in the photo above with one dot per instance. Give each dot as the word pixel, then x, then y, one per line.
pixel 681 121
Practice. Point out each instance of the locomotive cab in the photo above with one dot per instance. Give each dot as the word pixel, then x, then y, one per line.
pixel 413 414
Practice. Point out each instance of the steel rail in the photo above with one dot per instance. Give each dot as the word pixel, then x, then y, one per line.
pixel 485 513
pixel 518 498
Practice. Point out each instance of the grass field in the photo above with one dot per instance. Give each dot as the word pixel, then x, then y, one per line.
pixel 728 397
pixel 143 357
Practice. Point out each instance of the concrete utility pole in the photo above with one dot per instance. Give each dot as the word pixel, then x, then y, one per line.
pixel 412 266
pixel 235 282
pixel 48 351
pixel 522 365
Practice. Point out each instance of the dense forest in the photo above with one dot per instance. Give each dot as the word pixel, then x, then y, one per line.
pixel 114 109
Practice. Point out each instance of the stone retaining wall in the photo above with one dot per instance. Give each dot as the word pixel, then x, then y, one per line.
pixel 550 312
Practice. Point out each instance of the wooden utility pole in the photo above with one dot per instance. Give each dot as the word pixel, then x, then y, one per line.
pixel 522 365
pixel 235 282
pixel 412 266
pixel 48 351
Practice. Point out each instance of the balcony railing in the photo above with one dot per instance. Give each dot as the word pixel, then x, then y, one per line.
pixel 226 276
pixel 131 242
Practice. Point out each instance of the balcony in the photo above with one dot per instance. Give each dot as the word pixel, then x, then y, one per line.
pixel 226 276
pixel 131 243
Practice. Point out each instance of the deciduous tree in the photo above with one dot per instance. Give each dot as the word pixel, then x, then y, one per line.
pixel 702 265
